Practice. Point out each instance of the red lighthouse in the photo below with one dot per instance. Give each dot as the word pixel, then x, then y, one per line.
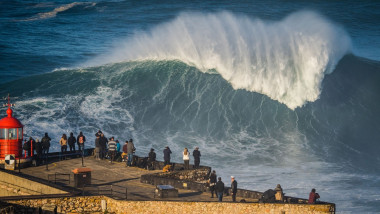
pixel 11 135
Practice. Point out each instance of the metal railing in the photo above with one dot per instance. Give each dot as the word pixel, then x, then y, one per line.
pixel 97 189
pixel 59 175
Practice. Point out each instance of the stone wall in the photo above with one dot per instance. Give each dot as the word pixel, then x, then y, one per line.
pixel 193 180
pixel 61 205
pixel 12 185
pixel 179 180
pixel 94 205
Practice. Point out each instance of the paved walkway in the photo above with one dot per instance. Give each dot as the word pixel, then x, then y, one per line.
pixel 123 179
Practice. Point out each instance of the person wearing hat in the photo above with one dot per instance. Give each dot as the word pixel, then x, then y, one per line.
pixel 197 157
pixel 167 153
pixel 233 188
pixel 151 159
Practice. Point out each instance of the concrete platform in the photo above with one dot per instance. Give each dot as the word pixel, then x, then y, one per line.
pixel 124 181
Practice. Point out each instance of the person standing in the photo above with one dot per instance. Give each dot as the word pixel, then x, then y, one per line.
pixel 131 149
pixel 45 141
pixel 152 159
pixel 71 141
pixel 313 196
pixel 212 181
pixel 97 147
pixel 112 148
pixel 38 150
pixel 197 157
pixel 103 146
pixel 80 140
pixel 63 143
pixel 125 152
pixel 186 158
pixel 28 146
pixel 117 146
pixel 220 189
pixel 233 188
pixel 167 153
pixel 38 147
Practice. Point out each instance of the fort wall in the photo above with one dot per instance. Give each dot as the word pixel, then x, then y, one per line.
pixel 94 205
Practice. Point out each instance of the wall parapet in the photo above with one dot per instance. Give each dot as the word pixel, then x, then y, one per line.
pixel 16 185
pixel 93 204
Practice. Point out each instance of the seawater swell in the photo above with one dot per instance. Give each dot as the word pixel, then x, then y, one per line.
pixel 156 103
pixel 331 143
pixel 285 60
pixel 161 103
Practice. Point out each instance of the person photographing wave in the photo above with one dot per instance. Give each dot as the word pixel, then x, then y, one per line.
pixel 313 196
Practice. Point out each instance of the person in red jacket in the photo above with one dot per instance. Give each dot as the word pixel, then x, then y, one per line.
pixel 313 196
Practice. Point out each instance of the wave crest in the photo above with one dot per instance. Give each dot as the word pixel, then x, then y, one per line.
pixel 53 13
pixel 285 60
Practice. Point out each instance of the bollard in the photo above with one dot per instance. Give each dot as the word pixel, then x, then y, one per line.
pixel 126 193
pixel 104 205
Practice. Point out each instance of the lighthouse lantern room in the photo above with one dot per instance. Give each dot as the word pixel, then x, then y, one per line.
pixel 11 134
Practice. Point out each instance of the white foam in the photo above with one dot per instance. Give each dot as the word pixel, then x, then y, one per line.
pixel 285 60
pixel 83 112
pixel 53 13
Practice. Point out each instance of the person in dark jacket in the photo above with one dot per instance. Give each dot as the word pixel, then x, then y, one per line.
pixel 212 181
pixel 167 153
pixel 197 157
pixel 151 159
pixel 103 146
pixel 81 139
pixel 220 189
pixel 45 141
pixel 71 141
pixel 29 144
pixel 152 155
pixel 233 188
pixel 38 147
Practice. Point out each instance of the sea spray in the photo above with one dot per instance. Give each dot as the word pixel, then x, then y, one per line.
pixel 285 60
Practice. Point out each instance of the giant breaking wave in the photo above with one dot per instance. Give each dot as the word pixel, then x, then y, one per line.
pixel 285 60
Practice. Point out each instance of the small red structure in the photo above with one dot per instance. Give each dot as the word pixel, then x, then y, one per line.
pixel 11 135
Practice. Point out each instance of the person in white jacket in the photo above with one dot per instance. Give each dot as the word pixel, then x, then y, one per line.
pixel 186 158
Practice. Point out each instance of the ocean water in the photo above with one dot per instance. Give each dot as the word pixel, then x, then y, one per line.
pixel 273 92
